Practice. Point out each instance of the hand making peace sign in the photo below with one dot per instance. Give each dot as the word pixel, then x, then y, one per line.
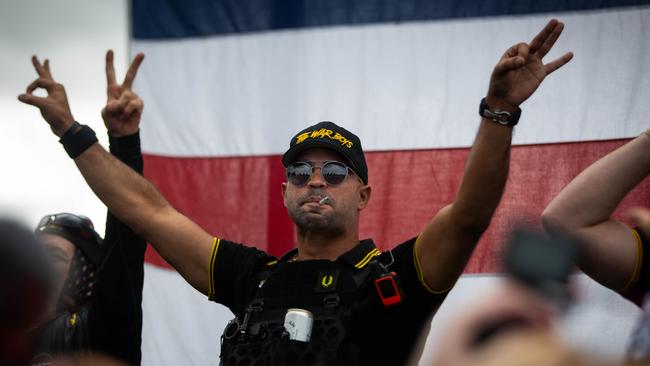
pixel 123 107
pixel 520 70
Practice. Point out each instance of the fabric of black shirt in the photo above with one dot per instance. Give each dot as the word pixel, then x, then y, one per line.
pixel 383 335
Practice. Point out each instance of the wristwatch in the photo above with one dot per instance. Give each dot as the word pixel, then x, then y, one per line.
pixel 498 116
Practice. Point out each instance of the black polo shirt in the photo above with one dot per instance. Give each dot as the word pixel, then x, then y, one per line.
pixel 383 335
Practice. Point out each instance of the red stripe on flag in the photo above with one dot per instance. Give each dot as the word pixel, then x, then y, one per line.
pixel 240 198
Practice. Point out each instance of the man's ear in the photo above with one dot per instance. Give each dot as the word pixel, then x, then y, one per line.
pixel 284 193
pixel 364 196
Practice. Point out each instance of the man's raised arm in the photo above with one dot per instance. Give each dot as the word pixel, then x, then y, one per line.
pixel 584 208
pixel 132 199
pixel 446 244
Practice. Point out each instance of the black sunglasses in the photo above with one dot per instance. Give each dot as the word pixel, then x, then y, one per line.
pixel 80 224
pixel 334 172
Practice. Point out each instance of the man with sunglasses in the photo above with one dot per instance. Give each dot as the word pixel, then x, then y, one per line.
pixel 334 299
pixel 98 284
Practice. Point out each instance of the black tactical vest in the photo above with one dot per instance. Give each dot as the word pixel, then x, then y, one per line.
pixel 330 290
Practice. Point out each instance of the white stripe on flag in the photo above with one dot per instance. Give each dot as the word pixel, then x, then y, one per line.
pixel 406 86
pixel 180 326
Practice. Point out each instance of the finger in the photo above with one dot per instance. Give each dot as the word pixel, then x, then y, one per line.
pixel 556 64
pixel 32 100
pixel 550 41
pixel 39 68
pixel 46 67
pixel 540 38
pixel 515 58
pixel 134 106
pixel 509 64
pixel 133 70
pixel 110 69
pixel 512 51
pixel 46 84
pixel 117 106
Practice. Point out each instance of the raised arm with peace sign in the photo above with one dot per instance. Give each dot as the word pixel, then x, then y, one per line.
pixel 129 196
pixel 448 241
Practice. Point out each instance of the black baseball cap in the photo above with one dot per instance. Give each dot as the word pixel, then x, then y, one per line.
pixel 331 136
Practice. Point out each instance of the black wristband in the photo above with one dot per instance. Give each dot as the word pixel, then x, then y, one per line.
pixel 498 116
pixel 75 141
pixel 70 131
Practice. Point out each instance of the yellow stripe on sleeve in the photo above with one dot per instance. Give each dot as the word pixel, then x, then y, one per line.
pixel 213 256
pixel 418 270
pixel 637 262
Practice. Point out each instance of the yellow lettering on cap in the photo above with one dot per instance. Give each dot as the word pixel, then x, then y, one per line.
pixel 302 137
pixel 322 133
pixel 343 140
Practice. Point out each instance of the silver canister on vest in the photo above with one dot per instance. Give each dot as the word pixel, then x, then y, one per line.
pixel 298 323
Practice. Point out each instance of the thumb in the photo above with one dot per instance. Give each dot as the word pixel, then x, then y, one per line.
pixel 115 106
pixel 514 58
pixel 509 64
pixel 32 100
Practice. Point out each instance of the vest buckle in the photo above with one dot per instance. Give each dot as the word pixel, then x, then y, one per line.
pixel 331 300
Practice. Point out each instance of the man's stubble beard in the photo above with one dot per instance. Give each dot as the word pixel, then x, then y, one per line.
pixel 329 224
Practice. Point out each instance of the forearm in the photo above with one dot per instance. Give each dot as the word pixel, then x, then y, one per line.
pixel 595 193
pixel 124 261
pixel 485 176
pixel 131 246
pixel 128 195
pixel 138 204
pixel 127 150
pixel 114 319
pixel 446 244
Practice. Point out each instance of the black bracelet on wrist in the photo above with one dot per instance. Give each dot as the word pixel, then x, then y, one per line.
pixel 77 140
pixel 503 118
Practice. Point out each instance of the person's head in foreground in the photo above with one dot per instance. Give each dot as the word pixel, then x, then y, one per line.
pixel 75 251
pixel 25 289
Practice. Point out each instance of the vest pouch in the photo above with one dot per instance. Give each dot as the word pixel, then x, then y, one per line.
pixel 271 345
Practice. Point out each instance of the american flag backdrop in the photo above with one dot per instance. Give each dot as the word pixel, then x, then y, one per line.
pixel 227 83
